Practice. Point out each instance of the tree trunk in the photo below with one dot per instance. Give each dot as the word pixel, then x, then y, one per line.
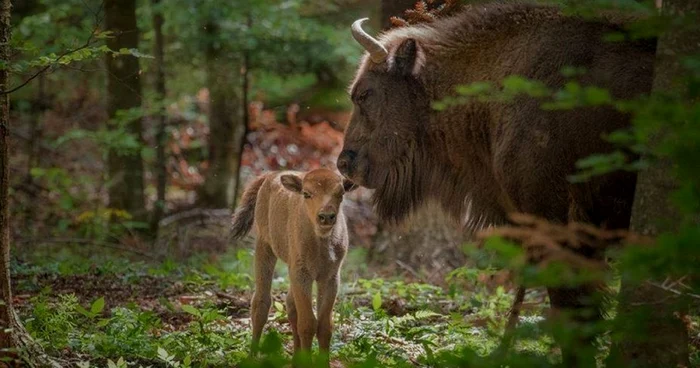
pixel 226 126
pixel 649 311
pixel 394 8
pixel 124 93
pixel 161 172
pixel 245 75
pixel 14 340
pixel 7 317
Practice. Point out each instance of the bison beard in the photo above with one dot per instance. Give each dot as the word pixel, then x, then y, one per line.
pixel 485 159
pixel 420 177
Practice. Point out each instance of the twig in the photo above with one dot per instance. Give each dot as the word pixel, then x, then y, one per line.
pixel 670 288
pixel 355 292
pixel 511 324
pixel 223 295
pixel 194 215
pixel 409 269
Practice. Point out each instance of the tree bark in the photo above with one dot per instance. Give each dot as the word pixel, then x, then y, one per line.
pixel 124 93
pixel 646 311
pixel 161 172
pixel 226 126
pixel 15 342
pixel 7 317
pixel 245 75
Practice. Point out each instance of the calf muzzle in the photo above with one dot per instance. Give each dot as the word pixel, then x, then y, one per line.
pixel 326 218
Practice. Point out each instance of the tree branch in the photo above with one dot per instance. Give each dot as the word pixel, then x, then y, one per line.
pixel 671 287
pixel 87 44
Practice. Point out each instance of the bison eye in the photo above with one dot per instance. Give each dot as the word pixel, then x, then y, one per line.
pixel 363 96
pixel 306 194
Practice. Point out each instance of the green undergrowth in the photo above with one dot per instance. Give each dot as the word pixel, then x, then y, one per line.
pixel 107 311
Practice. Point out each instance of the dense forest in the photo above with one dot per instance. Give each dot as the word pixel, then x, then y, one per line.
pixel 131 132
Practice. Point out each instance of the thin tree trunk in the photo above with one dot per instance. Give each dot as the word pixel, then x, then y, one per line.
pixel 124 93
pixel 649 312
pixel 7 317
pixel 245 74
pixel 14 339
pixel 226 128
pixel 161 172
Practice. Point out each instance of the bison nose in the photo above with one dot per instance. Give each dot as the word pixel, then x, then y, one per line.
pixel 326 218
pixel 345 161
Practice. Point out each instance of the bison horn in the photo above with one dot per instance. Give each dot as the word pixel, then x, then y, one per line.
pixel 376 51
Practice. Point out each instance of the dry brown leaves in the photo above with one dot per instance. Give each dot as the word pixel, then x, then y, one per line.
pixel 544 241
pixel 426 12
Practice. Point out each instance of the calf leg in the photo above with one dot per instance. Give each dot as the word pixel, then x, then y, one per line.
pixel 327 292
pixel 265 261
pixel 292 313
pixel 301 283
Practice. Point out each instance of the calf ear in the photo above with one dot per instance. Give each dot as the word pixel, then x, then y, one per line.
pixel 408 58
pixel 291 183
pixel 348 185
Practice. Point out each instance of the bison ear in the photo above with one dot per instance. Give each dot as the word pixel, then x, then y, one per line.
pixel 291 183
pixel 408 58
pixel 348 185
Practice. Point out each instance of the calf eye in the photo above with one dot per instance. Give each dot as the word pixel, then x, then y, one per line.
pixel 307 195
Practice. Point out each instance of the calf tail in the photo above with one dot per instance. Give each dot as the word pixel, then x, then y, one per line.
pixel 242 219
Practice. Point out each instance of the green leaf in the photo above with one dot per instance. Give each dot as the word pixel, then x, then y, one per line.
pixel 103 322
pixel 97 306
pixel 426 314
pixel 163 354
pixel 377 301
pixel 191 310
pixel 83 311
pixel 37 172
pixel 166 303
pixel 65 202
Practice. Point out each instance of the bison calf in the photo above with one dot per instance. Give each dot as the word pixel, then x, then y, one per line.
pixel 298 219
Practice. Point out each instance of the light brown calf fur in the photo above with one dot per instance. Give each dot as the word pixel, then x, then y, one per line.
pixel 298 219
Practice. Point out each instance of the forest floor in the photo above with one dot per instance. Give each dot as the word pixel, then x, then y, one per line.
pixel 95 310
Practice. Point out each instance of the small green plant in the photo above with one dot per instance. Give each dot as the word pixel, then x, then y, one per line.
pixel 52 322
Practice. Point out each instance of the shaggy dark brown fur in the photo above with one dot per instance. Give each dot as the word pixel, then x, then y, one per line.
pixel 483 160
pixel 488 159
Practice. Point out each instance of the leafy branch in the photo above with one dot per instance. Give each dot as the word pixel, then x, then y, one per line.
pixel 93 38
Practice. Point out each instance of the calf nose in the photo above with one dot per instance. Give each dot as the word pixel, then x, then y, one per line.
pixel 345 161
pixel 327 218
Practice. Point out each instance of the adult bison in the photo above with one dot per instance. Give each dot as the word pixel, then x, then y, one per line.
pixel 482 160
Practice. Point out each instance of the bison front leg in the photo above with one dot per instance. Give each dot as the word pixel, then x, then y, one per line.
pixel 262 299
pixel 301 283
pixel 575 311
